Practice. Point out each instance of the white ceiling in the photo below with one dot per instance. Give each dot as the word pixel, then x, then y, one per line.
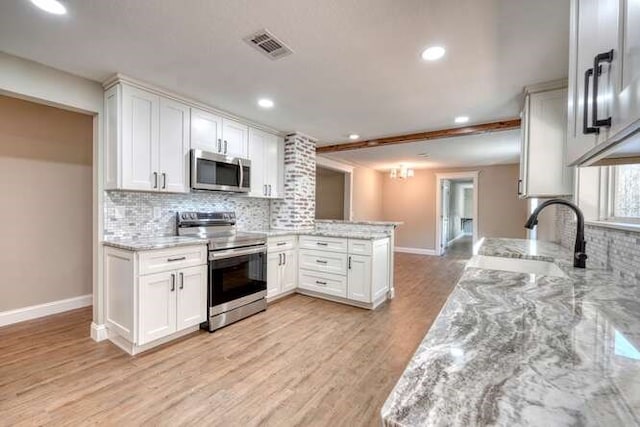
pixel 356 65
pixel 464 151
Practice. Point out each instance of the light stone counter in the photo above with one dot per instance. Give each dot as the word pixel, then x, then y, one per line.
pixel 512 349
pixel 150 243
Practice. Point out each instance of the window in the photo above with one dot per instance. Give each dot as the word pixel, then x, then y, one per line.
pixel 625 192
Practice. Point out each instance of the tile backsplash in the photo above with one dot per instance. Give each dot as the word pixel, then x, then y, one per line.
pixel 130 214
pixel 612 249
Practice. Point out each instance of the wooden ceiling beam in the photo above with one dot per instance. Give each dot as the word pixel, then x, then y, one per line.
pixel 424 136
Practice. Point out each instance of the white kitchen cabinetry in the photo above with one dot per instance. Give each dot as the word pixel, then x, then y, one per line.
pixel 352 271
pixel 235 139
pixel 604 58
pixel 266 152
pixel 282 266
pixel 206 131
pixel 154 296
pixel 147 141
pixel 543 168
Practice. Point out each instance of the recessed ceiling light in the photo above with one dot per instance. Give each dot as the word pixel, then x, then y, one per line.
pixel 265 103
pixel 354 136
pixel 433 53
pixel 461 119
pixel 51 6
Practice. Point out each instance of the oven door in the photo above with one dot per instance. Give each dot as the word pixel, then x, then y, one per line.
pixel 210 171
pixel 236 275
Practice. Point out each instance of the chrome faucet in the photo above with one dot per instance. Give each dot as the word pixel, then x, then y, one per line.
pixel 579 254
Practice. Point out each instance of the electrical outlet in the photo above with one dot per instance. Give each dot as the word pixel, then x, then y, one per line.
pixel 157 212
pixel 119 212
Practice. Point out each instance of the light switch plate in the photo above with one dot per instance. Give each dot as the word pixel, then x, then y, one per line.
pixel 119 212
pixel 157 212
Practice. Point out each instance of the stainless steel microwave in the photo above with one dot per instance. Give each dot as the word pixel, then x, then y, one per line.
pixel 217 172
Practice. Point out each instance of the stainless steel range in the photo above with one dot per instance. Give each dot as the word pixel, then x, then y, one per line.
pixel 237 266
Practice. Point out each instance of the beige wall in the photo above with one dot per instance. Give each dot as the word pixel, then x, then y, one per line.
pixel 413 201
pixel 329 194
pixel 46 194
pixel 367 195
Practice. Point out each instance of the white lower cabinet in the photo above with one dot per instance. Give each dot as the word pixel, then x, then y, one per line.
pixel 282 266
pixel 154 296
pixel 355 271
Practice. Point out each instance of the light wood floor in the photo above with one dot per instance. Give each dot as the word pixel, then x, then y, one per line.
pixel 303 362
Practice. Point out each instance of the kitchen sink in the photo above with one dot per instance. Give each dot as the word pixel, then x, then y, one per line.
pixel 516 265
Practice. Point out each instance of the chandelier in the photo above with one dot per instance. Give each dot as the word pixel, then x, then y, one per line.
pixel 401 172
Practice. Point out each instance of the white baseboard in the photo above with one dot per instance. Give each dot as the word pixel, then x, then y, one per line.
pixel 415 251
pixel 35 311
pixel 99 332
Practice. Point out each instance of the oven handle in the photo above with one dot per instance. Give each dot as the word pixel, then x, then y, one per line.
pixel 213 256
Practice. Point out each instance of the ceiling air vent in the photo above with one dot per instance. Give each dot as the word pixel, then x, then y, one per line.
pixel 268 44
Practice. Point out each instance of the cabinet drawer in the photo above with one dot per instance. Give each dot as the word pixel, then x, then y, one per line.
pixel 281 243
pixel 328 262
pixel 360 247
pixel 319 243
pixel 171 259
pixel 326 283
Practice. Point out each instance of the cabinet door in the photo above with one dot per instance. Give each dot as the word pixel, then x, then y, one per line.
pixel 274 263
pixel 359 278
pixel 524 147
pixel 259 163
pixel 274 161
pixel 157 306
pixel 206 131
pixel 289 272
pixel 174 146
pixel 192 296
pixel 626 116
pixel 235 138
pixel 140 128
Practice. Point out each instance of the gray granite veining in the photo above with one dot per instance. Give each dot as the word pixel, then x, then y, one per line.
pixel 344 234
pixel 151 243
pixel 514 349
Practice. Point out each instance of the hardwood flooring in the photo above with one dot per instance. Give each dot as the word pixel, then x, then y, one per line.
pixel 304 362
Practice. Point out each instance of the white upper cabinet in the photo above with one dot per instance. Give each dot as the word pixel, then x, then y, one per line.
pixel 266 152
pixel 174 146
pixel 235 139
pixel 604 80
pixel 140 130
pixel 206 131
pixel 543 170
pixel 147 138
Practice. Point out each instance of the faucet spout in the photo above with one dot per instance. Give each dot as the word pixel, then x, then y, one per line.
pixel 579 252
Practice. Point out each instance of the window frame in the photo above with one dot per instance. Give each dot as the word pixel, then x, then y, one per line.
pixel 610 199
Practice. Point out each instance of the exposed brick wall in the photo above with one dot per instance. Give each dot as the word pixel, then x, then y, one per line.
pixel 297 209
pixel 611 249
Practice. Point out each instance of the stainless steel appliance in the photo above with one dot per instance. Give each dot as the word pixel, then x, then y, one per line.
pixel 217 172
pixel 237 266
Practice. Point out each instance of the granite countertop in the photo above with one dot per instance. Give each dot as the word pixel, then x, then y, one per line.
pixel 341 221
pixel 149 243
pixel 344 234
pixel 515 349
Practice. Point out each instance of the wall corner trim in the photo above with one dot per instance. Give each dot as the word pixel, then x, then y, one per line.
pixel 99 332
pixel 36 311
pixel 415 251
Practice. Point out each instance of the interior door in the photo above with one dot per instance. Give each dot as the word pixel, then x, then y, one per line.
pixel 140 127
pixel 174 146
pixel 445 212
pixel 206 131
pixel 192 296
pixel 235 138
pixel 157 306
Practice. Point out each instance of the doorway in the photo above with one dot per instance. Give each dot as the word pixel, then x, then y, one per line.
pixel 334 181
pixel 457 213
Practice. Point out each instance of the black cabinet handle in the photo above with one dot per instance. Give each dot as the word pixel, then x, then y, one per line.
pixel 585 112
pixel 164 181
pixel 321 283
pixel 319 261
pixel 285 259
pixel 155 180
pixel 597 70
pixel 181 280
pixel 349 263
pixel 519 187
pixel 182 258
pixel 279 259
pixel 173 282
